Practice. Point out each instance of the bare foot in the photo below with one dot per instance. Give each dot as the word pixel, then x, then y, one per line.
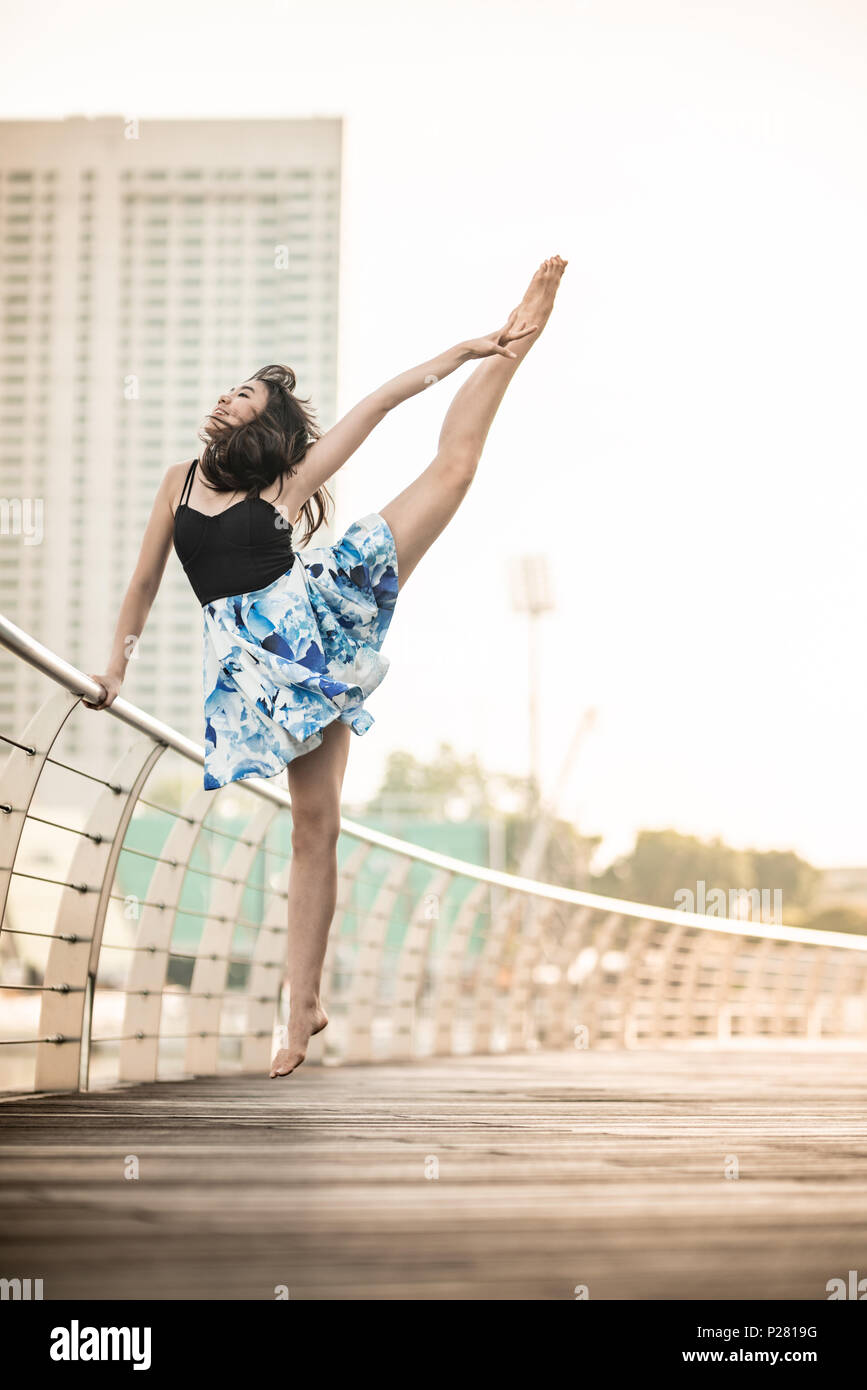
pixel 538 299
pixel 303 1023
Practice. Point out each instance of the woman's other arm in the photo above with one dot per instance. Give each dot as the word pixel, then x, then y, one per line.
pixel 143 586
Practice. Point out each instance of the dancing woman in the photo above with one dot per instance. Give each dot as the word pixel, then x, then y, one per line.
pixel 292 642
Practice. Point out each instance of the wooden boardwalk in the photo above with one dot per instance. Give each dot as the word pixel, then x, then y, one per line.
pixel 602 1169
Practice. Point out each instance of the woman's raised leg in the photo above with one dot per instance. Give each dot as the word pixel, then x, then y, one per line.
pixel 315 784
pixel 421 512
pixel 416 517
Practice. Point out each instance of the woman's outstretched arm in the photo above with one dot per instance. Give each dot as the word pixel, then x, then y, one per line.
pixel 338 444
pixel 142 588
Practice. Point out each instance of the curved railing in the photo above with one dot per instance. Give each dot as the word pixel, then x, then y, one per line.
pixel 143 931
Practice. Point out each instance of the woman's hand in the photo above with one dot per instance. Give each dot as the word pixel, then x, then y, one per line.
pixel 495 344
pixel 111 686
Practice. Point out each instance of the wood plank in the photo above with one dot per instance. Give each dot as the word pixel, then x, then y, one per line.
pixel 555 1169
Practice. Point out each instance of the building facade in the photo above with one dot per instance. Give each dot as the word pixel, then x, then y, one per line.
pixel 146 267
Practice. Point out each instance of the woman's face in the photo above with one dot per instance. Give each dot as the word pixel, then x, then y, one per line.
pixel 241 404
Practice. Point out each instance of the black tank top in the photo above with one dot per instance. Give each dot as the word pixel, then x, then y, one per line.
pixel 236 551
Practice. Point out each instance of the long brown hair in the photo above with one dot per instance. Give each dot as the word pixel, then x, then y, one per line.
pixel 248 457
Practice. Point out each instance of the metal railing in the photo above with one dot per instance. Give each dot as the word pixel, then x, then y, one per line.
pixel 150 941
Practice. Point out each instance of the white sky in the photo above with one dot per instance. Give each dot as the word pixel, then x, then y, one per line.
pixel 686 442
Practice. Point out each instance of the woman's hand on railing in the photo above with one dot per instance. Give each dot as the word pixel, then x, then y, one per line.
pixel 111 685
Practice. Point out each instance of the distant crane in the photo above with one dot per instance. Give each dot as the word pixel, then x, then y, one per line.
pixel 549 807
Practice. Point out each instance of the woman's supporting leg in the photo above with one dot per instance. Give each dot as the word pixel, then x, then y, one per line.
pixel 315 784
pixel 421 512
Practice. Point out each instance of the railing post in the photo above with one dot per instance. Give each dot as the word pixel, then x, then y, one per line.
pixel 139 1050
pixel 660 988
pixel 604 929
pixel 328 1046
pixel 73 956
pixel 264 980
pixel 447 965
pixel 19 778
pixel 211 967
pixel 495 969
pixel 638 935
pixel 358 1046
pixel 558 1028
pixel 520 1023
pixel 414 957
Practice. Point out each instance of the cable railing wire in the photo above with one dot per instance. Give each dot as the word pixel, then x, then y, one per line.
pixel 466 956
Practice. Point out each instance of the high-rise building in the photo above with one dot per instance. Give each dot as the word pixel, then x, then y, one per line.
pixel 146 267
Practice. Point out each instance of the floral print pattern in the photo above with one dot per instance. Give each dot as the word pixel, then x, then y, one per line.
pixel 283 662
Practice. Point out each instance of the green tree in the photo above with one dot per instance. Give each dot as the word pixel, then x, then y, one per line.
pixel 432 790
pixel 840 918
pixel 783 869
pixel 664 862
pixel 434 787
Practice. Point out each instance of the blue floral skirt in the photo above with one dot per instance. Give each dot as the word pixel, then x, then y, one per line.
pixel 283 662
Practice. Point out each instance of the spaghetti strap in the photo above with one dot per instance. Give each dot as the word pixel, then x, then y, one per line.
pixel 188 483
